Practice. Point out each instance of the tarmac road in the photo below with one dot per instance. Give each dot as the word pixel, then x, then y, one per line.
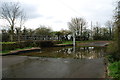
pixel 37 67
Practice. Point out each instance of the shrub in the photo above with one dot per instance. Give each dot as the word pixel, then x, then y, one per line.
pixel 16 45
pixel 57 42
pixel 114 69
pixel 23 44
pixel 44 43
pixel 112 47
pixel 114 60
pixel 113 57
pixel 114 54
pixel 9 46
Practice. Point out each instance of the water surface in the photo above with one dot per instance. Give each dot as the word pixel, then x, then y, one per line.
pixel 69 52
pixel 62 62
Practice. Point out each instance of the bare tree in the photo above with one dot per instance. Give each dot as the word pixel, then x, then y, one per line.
pixel 110 26
pixel 22 20
pixel 18 32
pixel 43 30
pixel 11 12
pixel 77 25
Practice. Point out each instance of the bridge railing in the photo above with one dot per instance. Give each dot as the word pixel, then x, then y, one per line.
pixel 25 37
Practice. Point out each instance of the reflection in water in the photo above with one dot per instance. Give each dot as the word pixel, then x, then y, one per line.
pixel 37 67
pixel 73 48
pixel 70 52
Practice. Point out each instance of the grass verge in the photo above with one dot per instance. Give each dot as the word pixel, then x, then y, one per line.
pixel 114 70
pixel 7 42
pixel 70 42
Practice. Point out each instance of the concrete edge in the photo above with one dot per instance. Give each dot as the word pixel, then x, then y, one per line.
pixel 62 45
pixel 21 51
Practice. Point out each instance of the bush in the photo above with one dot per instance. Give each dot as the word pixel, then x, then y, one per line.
pixel 112 48
pixel 9 46
pixel 44 43
pixel 114 60
pixel 113 57
pixel 24 44
pixel 16 45
pixel 114 54
pixel 57 42
pixel 114 69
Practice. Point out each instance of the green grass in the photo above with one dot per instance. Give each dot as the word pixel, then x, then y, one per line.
pixel 3 52
pixel 114 69
pixel 70 42
pixel 67 42
pixel 7 42
pixel 23 48
pixel 7 51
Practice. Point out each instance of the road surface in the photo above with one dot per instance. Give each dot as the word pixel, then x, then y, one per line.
pixel 37 67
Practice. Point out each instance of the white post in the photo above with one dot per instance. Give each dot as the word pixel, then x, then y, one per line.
pixel 73 38
pixel 74 41
pixel 91 31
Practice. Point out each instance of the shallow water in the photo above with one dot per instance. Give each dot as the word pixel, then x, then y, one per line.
pixel 69 52
pixel 65 62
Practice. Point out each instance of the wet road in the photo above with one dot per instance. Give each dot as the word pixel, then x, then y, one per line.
pixel 37 67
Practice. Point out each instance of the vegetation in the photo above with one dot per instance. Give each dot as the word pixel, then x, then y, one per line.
pixel 14 45
pixel 7 42
pixel 87 41
pixel 42 30
pixel 7 46
pixel 77 27
pixel 12 12
pixel 114 50
pixel 114 69
pixel 67 42
pixel 22 38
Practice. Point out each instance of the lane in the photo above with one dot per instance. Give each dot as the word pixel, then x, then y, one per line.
pixel 37 67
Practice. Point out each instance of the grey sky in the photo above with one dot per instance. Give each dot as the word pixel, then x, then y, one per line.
pixel 56 13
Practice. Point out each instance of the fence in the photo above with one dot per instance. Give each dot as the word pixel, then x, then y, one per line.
pixel 25 37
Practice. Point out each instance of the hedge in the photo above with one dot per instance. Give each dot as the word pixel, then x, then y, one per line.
pixel 114 69
pixel 24 44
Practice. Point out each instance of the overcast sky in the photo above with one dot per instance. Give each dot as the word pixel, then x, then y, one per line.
pixel 56 13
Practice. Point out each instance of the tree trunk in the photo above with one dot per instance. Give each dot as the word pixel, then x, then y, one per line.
pixel 19 37
pixel 11 37
pixel 12 33
pixel 81 29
